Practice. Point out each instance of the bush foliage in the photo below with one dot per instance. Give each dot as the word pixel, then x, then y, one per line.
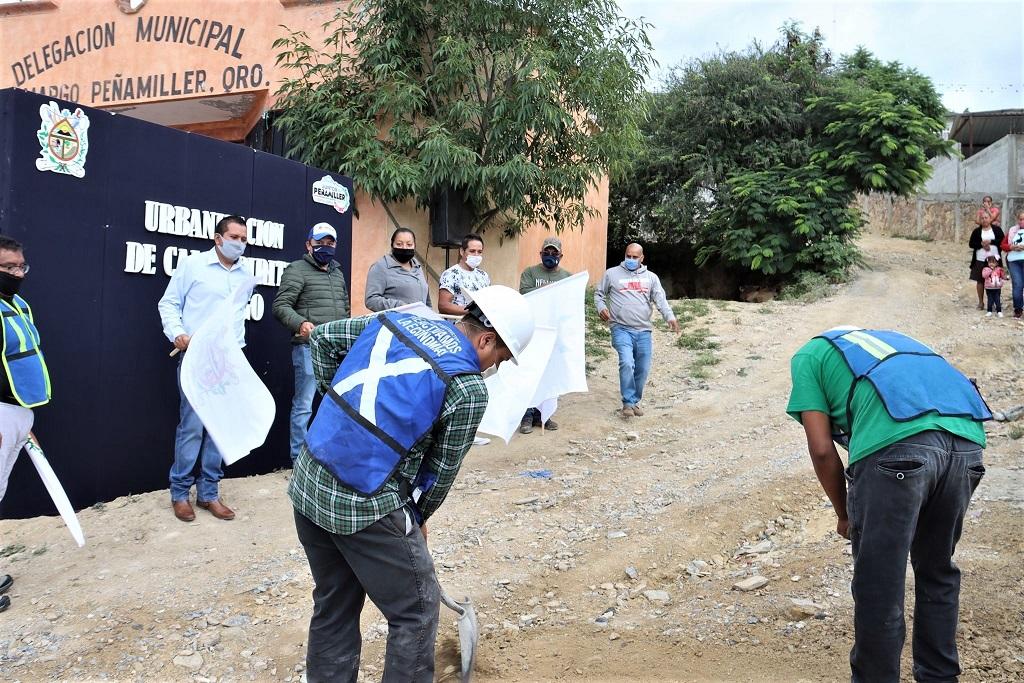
pixel 755 158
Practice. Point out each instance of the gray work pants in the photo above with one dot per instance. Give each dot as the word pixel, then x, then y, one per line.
pixel 395 570
pixel 909 498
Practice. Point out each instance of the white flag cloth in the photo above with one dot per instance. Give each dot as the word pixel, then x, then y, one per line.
pixel 552 364
pixel 234 405
pixel 56 491
pixel 510 389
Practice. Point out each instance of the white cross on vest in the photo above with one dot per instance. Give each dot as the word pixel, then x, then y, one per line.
pixel 377 370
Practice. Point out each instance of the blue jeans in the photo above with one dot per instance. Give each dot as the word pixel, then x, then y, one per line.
pixel 1017 274
pixel 302 399
pixel 192 443
pixel 909 499
pixel 634 349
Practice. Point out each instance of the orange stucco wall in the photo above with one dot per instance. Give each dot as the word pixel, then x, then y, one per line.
pixel 504 259
pixel 102 49
pixel 85 46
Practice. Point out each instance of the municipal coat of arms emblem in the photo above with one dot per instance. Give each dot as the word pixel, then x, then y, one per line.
pixel 64 138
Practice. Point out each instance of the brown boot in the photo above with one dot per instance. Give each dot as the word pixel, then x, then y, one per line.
pixel 217 509
pixel 183 510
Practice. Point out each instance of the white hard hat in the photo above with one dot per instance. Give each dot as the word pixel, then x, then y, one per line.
pixel 508 314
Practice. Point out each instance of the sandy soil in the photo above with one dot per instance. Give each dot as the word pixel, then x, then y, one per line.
pixel 712 484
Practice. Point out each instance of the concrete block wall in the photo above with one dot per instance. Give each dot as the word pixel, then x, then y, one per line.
pixel 937 219
pixel 998 170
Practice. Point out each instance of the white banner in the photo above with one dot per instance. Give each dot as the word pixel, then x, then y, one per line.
pixel 234 405
pixel 552 365
pixel 510 388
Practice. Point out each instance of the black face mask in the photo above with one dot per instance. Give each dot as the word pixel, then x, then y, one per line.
pixel 9 284
pixel 403 255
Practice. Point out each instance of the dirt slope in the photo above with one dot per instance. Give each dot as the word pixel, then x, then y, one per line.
pixel 618 567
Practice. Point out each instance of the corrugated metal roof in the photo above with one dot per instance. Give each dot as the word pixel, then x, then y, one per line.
pixel 982 128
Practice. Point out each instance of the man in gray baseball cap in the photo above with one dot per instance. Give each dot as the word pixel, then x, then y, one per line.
pixel 535 277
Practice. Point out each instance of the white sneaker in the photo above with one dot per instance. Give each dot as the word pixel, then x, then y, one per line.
pixel 989 314
pixel 1000 314
pixel 481 441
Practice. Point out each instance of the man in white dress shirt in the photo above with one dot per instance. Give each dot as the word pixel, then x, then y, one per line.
pixel 198 287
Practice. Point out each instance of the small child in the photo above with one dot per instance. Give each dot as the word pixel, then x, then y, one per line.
pixel 993 277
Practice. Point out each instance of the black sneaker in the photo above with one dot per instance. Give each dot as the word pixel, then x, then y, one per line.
pixel 526 426
pixel 550 425
pixel 5 583
pixel 5 602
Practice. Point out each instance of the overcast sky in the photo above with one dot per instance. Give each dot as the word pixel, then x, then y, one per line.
pixel 972 51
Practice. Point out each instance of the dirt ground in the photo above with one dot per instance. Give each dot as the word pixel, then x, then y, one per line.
pixel 619 566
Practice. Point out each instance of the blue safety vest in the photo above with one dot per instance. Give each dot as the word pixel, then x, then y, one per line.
pixel 386 396
pixel 910 378
pixel 23 359
pixel 24 366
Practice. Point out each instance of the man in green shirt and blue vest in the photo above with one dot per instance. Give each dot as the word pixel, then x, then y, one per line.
pixel 25 381
pixel 912 425
pixel 403 396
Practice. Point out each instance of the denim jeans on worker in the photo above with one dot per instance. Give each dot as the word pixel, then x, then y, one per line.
pixel 192 444
pixel 909 499
pixel 388 562
pixel 1017 274
pixel 302 398
pixel 634 349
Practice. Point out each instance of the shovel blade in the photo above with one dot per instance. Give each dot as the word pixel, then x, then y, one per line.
pixel 469 634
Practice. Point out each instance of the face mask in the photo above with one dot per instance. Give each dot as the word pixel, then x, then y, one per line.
pixel 323 254
pixel 232 249
pixel 403 255
pixel 550 260
pixel 631 263
pixel 474 261
pixel 9 284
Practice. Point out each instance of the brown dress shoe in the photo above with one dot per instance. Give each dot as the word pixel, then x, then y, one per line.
pixel 217 509
pixel 183 510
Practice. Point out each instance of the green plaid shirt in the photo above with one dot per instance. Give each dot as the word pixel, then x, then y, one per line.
pixel 321 498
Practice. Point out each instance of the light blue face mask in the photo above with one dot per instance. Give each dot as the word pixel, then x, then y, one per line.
pixel 631 263
pixel 232 249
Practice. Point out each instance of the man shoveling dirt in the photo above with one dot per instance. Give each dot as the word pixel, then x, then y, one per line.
pixel 398 417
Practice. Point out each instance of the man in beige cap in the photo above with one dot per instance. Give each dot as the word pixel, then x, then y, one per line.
pixel 535 277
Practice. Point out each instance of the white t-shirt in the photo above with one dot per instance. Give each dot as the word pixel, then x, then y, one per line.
pixel 458 281
pixel 983 253
pixel 993 250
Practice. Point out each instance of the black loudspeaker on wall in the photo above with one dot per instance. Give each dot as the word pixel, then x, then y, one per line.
pixel 450 217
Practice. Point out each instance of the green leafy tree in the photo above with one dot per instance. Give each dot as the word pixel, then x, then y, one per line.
pixel 755 158
pixel 519 106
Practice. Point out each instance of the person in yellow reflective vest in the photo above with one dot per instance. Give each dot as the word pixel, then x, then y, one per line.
pixel 24 382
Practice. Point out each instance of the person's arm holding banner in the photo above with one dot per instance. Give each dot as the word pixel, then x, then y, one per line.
pixel 169 307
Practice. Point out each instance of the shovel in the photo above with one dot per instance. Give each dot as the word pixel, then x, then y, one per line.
pixel 468 633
